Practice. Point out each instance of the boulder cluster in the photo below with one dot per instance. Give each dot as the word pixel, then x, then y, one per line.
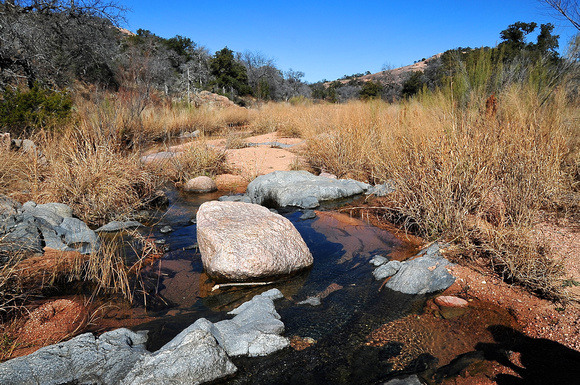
pixel 200 353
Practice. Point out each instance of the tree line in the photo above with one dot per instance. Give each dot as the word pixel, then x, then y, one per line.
pixel 54 43
pixel 51 44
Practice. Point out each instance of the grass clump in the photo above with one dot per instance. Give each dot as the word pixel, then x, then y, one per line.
pixel 197 159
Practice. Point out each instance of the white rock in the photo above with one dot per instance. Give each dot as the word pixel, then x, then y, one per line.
pixel 242 241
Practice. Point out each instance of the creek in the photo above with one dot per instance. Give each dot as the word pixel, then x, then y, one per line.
pixel 330 341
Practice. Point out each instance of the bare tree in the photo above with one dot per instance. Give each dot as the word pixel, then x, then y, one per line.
pixel 567 9
pixel 263 76
pixel 55 41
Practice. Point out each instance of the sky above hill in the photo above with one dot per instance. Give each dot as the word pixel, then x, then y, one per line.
pixel 330 39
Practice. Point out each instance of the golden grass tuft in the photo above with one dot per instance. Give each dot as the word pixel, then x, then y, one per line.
pixel 197 159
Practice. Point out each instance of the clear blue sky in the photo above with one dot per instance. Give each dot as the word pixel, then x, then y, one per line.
pixel 329 39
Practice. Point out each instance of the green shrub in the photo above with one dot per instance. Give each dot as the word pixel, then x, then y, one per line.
pixel 22 112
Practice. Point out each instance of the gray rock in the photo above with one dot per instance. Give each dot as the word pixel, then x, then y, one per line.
pixel 40 211
pixel 386 270
pixel 192 357
pixel 114 226
pixel 59 209
pixel 166 229
pixel 242 241
pixel 308 214
pixel 422 275
pixel 301 189
pixel 255 330
pixel 83 359
pixel 22 236
pixel 378 260
pixel 312 301
pixel 78 235
pixel 380 190
pixel 235 198
pixel 158 157
pixel 28 146
pixel 50 237
pixel 9 206
pixel 408 380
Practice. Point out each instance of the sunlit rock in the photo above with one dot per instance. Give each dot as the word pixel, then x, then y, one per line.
pixel 242 241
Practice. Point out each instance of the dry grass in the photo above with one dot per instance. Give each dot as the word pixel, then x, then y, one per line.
pixel 197 159
pixel 136 119
pixel 451 165
pixel 92 175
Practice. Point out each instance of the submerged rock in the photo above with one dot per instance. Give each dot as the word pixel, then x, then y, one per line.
pixel 300 189
pixel 242 241
pixel 308 214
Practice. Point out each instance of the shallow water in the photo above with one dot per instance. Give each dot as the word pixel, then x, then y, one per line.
pixel 352 306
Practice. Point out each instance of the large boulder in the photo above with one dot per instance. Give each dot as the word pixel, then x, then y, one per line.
pixel 83 359
pixel 243 241
pixel 300 189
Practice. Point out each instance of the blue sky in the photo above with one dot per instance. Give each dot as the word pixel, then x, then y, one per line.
pixel 329 39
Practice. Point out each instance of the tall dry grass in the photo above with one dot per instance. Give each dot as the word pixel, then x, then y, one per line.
pixel 461 173
pixel 137 119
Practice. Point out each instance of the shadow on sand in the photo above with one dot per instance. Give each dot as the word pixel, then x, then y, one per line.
pixel 542 361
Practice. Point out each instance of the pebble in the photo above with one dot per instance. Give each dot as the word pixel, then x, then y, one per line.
pixel 166 229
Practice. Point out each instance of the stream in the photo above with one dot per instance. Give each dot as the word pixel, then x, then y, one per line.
pixel 329 341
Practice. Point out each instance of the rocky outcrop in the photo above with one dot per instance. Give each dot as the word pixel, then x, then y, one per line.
pixel 200 184
pixel 83 359
pixel 300 189
pixel 242 241
pixel 31 228
pixel 197 355
pixel 426 273
pixel 193 357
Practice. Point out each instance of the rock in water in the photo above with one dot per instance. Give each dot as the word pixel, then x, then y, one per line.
pixel 422 275
pixel 243 241
pixel 201 184
pixel 300 189
pixel 190 358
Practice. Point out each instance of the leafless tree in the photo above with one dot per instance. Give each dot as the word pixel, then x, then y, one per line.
pixel 55 41
pixel 567 9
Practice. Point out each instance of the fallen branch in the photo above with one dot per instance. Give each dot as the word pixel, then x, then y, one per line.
pixel 235 284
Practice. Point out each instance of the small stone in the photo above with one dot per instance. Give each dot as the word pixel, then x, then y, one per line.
pixel 201 184
pixel 160 241
pixel 312 301
pixel 450 301
pixel 308 214
pixel 166 229
pixel 378 260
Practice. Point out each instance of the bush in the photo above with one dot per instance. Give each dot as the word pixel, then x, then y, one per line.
pixel 22 112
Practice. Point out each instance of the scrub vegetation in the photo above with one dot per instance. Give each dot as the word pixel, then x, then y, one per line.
pixel 475 145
